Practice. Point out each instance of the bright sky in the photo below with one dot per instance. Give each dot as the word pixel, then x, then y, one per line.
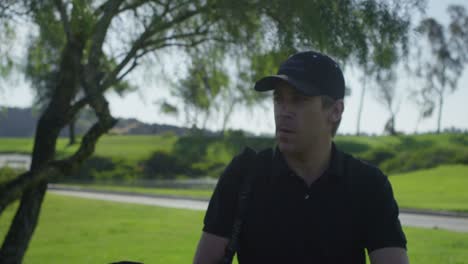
pixel 141 105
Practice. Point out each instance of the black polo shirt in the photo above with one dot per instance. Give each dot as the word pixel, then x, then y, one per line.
pixel 348 209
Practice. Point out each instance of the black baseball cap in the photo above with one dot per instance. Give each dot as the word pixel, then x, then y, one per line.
pixel 311 73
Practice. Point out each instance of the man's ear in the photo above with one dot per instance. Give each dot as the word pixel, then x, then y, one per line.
pixel 336 110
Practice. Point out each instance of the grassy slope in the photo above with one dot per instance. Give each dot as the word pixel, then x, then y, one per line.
pixel 74 230
pixel 444 187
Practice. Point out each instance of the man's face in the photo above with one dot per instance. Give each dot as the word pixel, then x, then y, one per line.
pixel 301 121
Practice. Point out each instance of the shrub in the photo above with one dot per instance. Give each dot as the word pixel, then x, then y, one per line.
pixel 424 158
pixel 378 155
pixel 7 173
pixel 167 166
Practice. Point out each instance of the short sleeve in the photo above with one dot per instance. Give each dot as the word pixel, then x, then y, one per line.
pixel 382 228
pixel 219 217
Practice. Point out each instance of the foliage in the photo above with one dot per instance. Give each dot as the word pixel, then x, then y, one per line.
pixel 443 63
pixel 7 174
pixel 95 168
pixel 424 158
pixel 6 62
pixel 163 165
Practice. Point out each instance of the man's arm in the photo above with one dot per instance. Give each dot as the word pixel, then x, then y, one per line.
pixel 389 255
pixel 210 249
pixel 383 235
pixel 219 217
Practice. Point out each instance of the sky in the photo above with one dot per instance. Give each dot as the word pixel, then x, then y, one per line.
pixel 141 104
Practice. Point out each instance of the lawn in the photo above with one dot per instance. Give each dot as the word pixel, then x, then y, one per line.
pixel 75 230
pixel 16 145
pixel 444 187
pixel 113 146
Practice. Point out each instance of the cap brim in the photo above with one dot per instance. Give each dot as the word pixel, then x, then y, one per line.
pixel 268 83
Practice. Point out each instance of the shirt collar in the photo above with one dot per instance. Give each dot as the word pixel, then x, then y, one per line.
pixel 333 173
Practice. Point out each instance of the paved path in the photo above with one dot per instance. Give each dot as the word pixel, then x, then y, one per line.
pixel 17 161
pixel 459 224
pixel 137 199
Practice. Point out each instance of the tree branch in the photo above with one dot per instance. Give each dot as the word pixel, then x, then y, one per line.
pixel 182 44
pixel 77 107
pixel 176 36
pixel 63 18
pixel 152 29
pixel 87 146
pixel 12 190
pixel 100 31
pixel 134 64
pixel 133 6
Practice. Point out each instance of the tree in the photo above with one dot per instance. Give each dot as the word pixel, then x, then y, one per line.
pixel 376 37
pixel 198 91
pixel 104 41
pixel 384 46
pixel 6 62
pixel 43 62
pixel 386 95
pixel 443 64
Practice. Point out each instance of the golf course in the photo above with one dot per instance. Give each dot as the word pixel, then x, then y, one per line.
pixel 77 230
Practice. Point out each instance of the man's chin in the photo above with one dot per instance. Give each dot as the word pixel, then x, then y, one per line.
pixel 287 147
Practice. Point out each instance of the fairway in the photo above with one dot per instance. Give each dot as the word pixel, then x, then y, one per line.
pixel 74 230
pixel 441 188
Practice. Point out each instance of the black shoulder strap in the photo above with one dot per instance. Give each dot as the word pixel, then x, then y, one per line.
pixel 245 193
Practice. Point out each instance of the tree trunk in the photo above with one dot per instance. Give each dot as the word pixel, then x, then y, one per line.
pixel 71 132
pixel 361 106
pixel 26 218
pixel 49 125
pixel 439 119
pixel 24 223
pixel 227 115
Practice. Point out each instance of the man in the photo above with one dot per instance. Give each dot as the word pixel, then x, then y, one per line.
pixel 311 203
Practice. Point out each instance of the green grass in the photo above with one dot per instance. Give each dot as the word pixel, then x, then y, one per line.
pixel 75 230
pixel 133 147
pixel 189 193
pixel 16 145
pixel 128 147
pixel 443 188
pixel 428 246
